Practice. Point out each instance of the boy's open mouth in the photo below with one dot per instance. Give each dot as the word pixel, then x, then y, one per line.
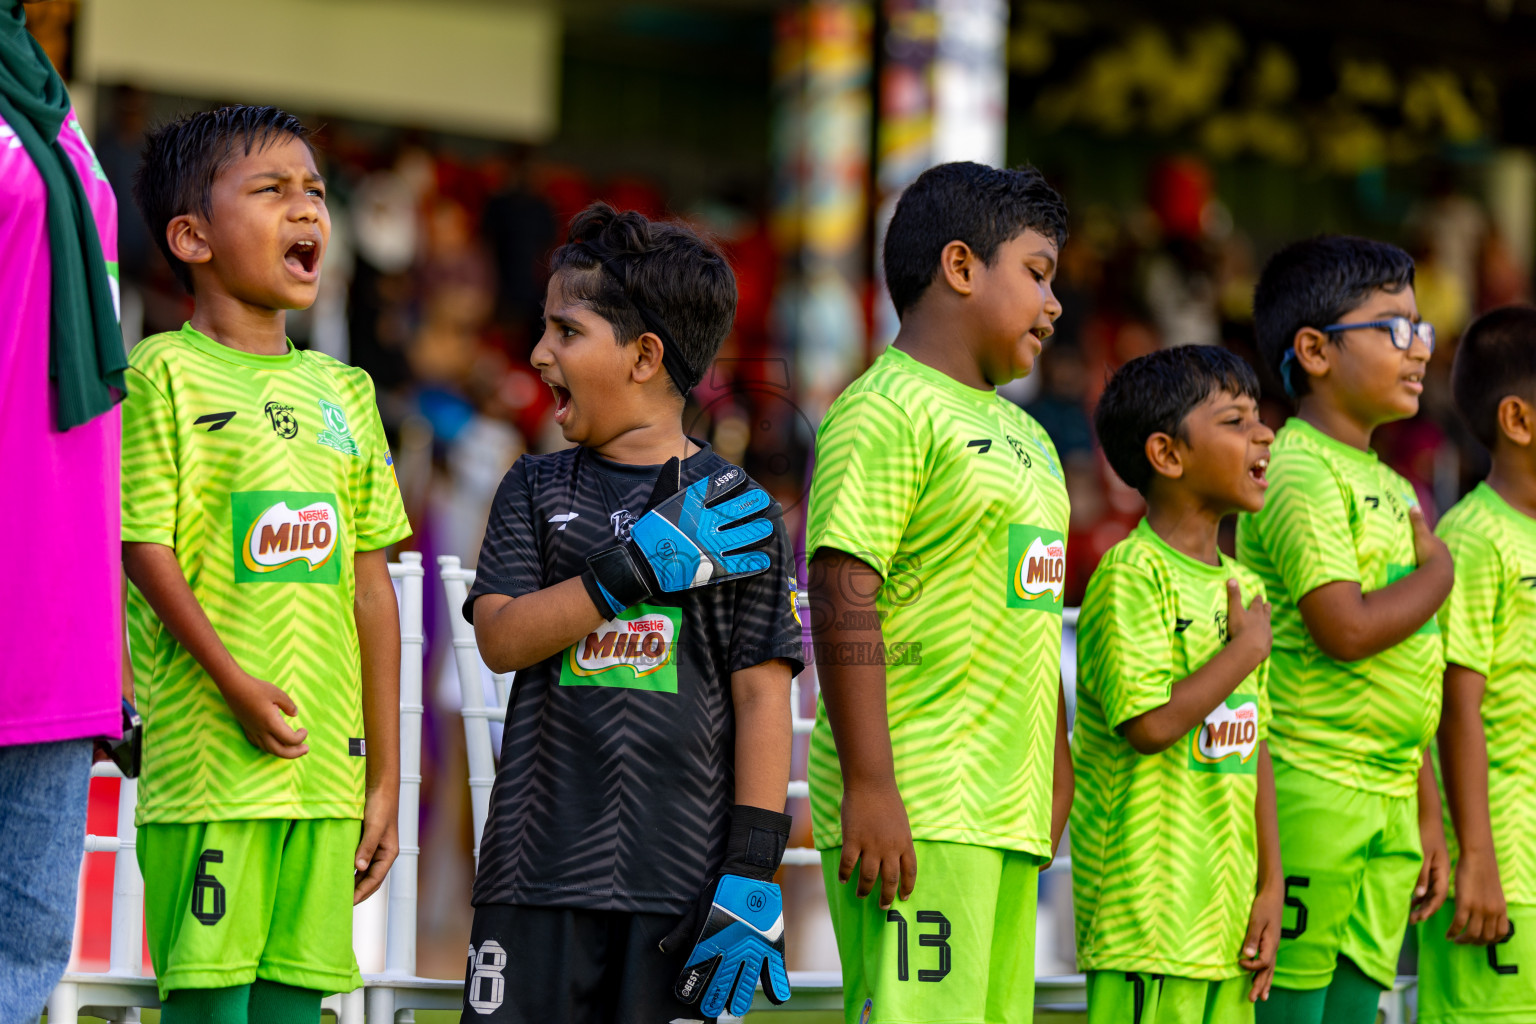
pixel 562 401
pixel 303 253
pixel 1257 470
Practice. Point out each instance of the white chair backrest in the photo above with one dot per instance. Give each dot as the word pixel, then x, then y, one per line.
pixel 400 942
pixel 478 716
pixel 476 713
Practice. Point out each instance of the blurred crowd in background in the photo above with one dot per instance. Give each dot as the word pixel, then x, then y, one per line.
pixel 1187 150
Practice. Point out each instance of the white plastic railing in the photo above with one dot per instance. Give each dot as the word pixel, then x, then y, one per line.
pixel 118 993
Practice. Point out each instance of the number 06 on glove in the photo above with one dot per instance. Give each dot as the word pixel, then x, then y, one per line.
pixel 737 926
pixel 742 941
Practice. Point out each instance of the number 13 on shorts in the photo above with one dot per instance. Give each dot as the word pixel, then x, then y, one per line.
pixel 962 947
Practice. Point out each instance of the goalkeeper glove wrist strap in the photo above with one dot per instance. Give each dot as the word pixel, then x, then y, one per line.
pixel 756 843
pixel 614 582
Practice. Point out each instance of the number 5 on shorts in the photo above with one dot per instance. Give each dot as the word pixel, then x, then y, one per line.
pixel 1300 882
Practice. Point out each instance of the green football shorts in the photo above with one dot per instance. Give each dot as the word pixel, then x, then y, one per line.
pixel 1116 997
pixel 962 948
pixel 227 902
pixel 1351 861
pixel 1472 984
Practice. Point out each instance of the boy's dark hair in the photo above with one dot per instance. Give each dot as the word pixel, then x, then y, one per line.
pixel 1153 394
pixel 1313 283
pixel 1496 358
pixel 661 276
pixel 982 206
pixel 181 160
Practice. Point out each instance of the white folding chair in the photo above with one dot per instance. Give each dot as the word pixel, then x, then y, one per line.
pixel 476 714
pixel 118 993
pixel 813 990
pixel 398 987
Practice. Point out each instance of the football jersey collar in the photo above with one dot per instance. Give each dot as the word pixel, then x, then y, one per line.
pixel 200 341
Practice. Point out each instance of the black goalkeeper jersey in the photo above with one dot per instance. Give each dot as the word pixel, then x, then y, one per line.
pixel 617 764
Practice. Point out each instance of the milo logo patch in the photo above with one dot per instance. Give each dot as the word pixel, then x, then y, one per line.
pixel 1225 742
pixel 1037 568
pixel 285 537
pixel 636 651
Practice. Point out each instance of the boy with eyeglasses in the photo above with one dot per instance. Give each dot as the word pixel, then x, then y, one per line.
pixel 1355 577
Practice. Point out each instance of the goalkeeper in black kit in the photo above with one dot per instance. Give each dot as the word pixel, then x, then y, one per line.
pixel 644 591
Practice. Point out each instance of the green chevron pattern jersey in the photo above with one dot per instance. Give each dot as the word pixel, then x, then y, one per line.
pixel 1164 847
pixel 1489 626
pixel 956 498
pixel 1335 513
pixel 265 474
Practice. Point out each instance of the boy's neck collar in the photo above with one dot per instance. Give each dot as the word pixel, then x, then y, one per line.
pixel 1187 527
pixel 1514 481
pixel 241 326
pixel 930 338
pixel 647 453
pixel 1328 419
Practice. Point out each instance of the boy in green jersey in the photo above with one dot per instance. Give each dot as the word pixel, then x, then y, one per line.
pixel 1477 956
pixel 937 544
pixel 258 499
pixel 1176 881
pixel 1356 577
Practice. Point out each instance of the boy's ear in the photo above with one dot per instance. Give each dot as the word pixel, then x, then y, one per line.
pixel 957 267
pixel 1517 420
pixel 185 236
pixel 1312 351
pixel 1163 454
pixel 648 349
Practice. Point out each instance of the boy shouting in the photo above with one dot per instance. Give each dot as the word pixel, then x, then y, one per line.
pixel 643 589
pixel 1175 856
pixel 258 499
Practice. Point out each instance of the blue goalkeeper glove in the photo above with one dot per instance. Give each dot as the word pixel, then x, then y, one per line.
pixel 681 540
pixel 738 925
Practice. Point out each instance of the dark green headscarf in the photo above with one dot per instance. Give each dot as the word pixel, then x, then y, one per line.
pixel 85 358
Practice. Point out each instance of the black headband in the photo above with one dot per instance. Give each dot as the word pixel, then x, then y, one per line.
pixel 683 375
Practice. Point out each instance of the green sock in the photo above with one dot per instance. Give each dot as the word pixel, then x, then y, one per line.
pixel 206 1005
pixel 272 1003
pixel 1291 1006
pixel 1352 997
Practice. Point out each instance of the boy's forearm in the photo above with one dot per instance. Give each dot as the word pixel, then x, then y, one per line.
pixel 1271 873
pixel 157 575
pixel 514 633
pixel 1349 624
pixel 377 615
pixel 1193 698
pixel 764 734
pixel 1063 781
pixel 852 689
pixel 1463 748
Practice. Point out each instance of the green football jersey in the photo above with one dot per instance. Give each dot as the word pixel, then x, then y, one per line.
pixel 1164 847
pixel 956 498
pixel 1335 513
pixel 265 474
pixel 1489 625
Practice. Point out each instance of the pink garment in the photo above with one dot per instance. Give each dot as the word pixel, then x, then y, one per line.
pixel 61 623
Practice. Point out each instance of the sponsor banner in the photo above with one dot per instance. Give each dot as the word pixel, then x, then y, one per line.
pixel 1228 738
pixel 285 537
pixel 1037 568
pixel 636 651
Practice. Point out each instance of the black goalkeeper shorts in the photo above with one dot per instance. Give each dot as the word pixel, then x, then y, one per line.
pixel 558 965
